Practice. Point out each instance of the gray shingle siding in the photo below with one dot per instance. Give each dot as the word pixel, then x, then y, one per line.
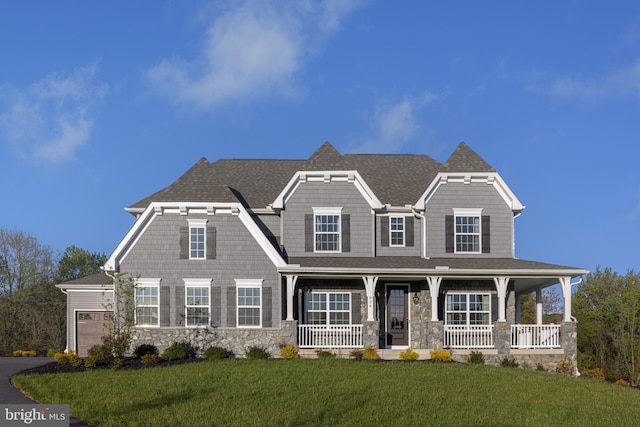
pixel 474 195
pixel 238 256
pixel 388 250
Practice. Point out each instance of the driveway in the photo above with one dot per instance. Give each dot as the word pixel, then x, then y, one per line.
pixel 13 365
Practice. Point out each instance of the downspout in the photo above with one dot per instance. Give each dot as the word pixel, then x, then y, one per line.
pixel 423 243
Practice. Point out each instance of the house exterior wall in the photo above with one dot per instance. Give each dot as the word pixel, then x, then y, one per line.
pixel 474 195
pixel 334 194
pixel 84 300
pixel 238 256
pixel 414 250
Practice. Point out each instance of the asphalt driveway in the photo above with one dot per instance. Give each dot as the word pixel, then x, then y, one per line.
pixel 9 394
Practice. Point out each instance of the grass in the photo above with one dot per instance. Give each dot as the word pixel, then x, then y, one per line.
pixel 333 392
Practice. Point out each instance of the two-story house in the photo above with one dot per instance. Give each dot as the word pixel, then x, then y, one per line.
pixel 333 252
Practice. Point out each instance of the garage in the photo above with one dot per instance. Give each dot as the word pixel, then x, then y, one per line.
pixel 91 326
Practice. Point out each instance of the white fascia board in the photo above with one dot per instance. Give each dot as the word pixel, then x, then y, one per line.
pixel 489 178
pixel 420 272
pixel 159 208
pixel 326 176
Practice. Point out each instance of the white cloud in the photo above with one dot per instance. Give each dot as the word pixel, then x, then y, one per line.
pixel 251 50
pixel 393 126
pixel 49 121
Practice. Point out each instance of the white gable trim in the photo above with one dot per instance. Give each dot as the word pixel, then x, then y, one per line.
pixel 490 178
pixel 159 208
pixel 302 177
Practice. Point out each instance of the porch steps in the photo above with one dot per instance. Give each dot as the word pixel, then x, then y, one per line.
pixel 385 353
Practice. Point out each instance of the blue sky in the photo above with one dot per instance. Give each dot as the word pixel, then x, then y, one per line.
pixel 104 103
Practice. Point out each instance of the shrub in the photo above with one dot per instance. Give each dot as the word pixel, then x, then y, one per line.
pixel 565 367
pixel 290 351
pixel 409 354
pixel 145 349
pixel 117 345
pixel 509 363
pixel 90 362
pixel 70 358
pixel 476 357
pixel 443 355
pixel 540 367
pixel 256 352
pixel 117 362
pixel 149 359
pixel 357 354
pixel 52 352
pixel 178 351
pixel 595 373
pixel 324 354
pixel 216 353
pixel 24 353
pixel 370 353
pixel 623 382
pixel 99 352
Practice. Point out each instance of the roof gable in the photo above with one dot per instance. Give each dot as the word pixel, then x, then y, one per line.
pixel 464 159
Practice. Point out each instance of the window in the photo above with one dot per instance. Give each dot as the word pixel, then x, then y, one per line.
pixel 468 230
pixel 468 309
pixel 327 232
pixel 147 302
pixel 197 302
pixel 396 230
pixel 197 233
pixel 249 303
pixel 328 308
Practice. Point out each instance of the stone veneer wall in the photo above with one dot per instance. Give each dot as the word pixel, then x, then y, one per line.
pixel 233 339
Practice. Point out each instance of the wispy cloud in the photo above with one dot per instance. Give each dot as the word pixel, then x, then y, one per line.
pixel 393 126
pixel 619 83
pixel 251 50
pixel 50 120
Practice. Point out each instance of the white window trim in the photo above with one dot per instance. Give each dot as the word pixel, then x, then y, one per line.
pixel 468 311
pixel 198 223
pixel 328 310
pixel 146 283
pixel 467 212
pixel 248 283
pixel 197 283
pixel 404 231
pixel 327 211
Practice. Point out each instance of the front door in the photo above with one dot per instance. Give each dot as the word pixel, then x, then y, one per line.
pixel 397 316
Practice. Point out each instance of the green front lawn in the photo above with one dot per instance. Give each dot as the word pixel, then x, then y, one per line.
pixel 333 392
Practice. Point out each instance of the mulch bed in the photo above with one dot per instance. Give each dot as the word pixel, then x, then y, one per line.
pixel 125 363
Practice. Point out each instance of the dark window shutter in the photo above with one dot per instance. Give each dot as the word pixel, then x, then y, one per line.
pixel 408 231
pixel 384 231
pixel 356 313
pixel 449 234
pixel 216 305
pixel 165 306
pixel 231 307
pixel 267 308
pixel 184 242
pixel 309 243
pixel 346 233
pixel 180 306
pixel 486 234
pixel 211 243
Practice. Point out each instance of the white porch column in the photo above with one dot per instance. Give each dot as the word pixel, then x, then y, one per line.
pixel 370 287
pixel 501 287
pixel 434 289
pixel 565 283
pixel 539 306
pixel 291 284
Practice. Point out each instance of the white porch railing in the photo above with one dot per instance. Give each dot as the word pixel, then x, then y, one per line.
pixel 330 336
pixel 535 336
pixel 472 336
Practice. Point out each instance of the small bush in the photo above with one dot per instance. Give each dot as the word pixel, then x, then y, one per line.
pixel 145 349
pixel 565 367
pixel 595 373
pixel 90 362
pixel 99 352
pixel 117 362
pixel 443 355
pixel 409 354
pixel 256 352
pixel 370 353
pixel 540 367
pixel 290 351
pixel 357 354
pixel 623 382
pixel 325 354
pixel 149 359
pixel 24 353
pixel 509 363
pixel 52 352
pixel 476 357
pixel 216 353
pixel 178 351
pixel 70 358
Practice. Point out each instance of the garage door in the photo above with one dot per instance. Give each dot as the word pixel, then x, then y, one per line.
pixel 91 326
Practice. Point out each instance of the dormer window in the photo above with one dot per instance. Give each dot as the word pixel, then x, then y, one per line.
pixel 327 230
pixel 198 240
pixel 396 230
pixel 467 232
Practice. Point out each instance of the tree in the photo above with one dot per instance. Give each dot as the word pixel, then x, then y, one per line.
pixel 123 318
pixel 76 262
